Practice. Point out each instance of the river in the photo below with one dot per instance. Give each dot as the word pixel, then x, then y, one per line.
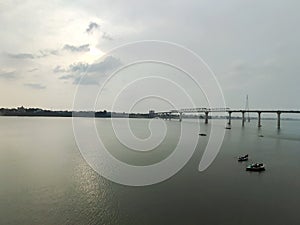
pixel 45 180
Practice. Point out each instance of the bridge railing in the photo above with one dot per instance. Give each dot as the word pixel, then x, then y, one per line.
pixel 204 110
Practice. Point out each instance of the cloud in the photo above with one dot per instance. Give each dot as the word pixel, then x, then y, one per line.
pixel 32 70
pixel 81 48
pixel 92 26
pixel 21 56
pixel 87 80
pixel 79 67
pixel 66 77
pixel 47 52
pixel 107 36
pixel 109 63
pixel 35 86
pixel 8 75
pixel 41 54
pixel 59 69
pixel 91 72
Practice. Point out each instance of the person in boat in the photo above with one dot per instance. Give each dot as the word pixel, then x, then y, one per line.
pixel 244 157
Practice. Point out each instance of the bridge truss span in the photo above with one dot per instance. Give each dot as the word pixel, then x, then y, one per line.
pixel 178 113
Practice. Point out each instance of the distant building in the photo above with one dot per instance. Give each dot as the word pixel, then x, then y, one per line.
pixel 21 109
pixel 151 113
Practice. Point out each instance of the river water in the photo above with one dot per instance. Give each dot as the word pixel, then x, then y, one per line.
pixel 45 180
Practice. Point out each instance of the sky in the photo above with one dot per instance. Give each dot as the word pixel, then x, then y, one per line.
pixel 47 46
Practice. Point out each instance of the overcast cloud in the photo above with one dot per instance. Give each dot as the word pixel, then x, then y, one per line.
pixel 252 46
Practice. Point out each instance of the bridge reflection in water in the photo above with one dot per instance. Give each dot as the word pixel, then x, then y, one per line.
pixel 177 114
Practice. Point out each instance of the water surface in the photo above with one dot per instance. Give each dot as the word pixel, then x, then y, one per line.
pixel 44 179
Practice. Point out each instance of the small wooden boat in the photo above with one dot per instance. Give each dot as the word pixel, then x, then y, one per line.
pixel 243 158
pixel 256 167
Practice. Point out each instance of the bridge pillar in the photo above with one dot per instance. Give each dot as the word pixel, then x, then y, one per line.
pixel 243 119
pixel 206 117
pixel 180 116
pixel 259 119
pixel 229 118
pixel 278 119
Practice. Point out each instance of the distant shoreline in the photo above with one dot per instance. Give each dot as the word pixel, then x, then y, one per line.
pixel 37 112
pixel 137 116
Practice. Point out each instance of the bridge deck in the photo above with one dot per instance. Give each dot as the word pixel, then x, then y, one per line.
pixel 229 111
pixel 266 111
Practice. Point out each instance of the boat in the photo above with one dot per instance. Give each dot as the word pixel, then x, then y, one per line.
pixel 243 158
pixel 202 134
pixel 256 167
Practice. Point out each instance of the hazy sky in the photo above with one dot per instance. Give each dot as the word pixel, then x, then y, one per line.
pixel 252 46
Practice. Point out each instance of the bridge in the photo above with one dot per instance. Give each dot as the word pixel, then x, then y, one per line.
pixel 178 113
